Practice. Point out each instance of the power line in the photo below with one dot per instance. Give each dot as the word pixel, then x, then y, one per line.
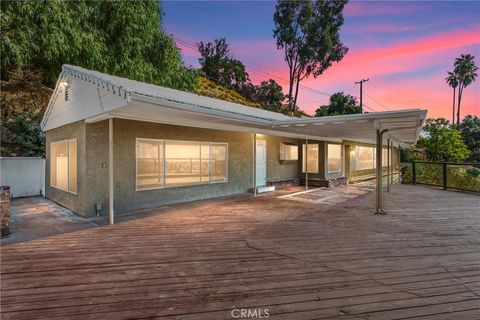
pixel 378 102
pixel 279 79
pixel 192 46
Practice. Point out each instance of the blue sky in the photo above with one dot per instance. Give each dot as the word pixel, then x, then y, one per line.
pixel 405 48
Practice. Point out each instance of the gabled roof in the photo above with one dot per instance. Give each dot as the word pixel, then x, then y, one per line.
pixel 96 96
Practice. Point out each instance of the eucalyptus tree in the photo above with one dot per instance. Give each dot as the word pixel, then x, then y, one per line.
pixel 452 81
pixel 308 33
pixel 466 71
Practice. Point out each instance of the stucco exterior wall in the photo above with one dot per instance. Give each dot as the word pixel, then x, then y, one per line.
pixel 278 169
pixel 74 202
pixel 92 169
pixel 240 161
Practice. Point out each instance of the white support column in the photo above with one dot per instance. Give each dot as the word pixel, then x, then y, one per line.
pixel 388 165
pixel 379 170
pixel 306 164
pixel 254 164
pixel 392 167
pixel 110 171
pixel 399 164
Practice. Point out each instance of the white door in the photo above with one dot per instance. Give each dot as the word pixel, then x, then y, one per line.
pixel 261 163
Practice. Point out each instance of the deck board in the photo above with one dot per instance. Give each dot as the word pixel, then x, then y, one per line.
pixel 301 260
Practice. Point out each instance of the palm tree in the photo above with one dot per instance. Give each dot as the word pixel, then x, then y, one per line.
pixel 466 71
pixel 452 81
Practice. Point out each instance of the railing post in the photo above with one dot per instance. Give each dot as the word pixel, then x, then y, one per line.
pixel 414 171
pixel 445 178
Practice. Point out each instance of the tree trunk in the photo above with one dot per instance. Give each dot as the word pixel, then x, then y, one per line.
pixel 453 112
pixel 296 92
pixel 460 92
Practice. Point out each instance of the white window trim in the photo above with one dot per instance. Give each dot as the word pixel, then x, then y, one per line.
pixel 342 159
pixel 164 186
pixel 68 167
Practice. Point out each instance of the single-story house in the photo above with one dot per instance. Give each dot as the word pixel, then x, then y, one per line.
pixel 115 144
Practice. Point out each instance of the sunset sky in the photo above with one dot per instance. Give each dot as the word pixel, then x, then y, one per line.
pixel 405 48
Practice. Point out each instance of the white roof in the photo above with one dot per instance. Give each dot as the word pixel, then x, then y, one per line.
pixel 95 96
pixel 133 87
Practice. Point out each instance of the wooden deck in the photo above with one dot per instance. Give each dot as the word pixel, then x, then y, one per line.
pixel 299 260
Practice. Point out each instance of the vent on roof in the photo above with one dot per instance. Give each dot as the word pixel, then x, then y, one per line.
pixel 66 93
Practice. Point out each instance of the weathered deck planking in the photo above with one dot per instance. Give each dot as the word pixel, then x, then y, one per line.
pixel 299 260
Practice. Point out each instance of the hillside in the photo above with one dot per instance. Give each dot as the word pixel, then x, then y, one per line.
pixel 209 88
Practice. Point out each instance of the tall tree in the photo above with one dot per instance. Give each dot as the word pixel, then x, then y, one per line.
pixel 470 129
pixel 442 141
pixel 466 71
pixel 308 33
pixel 219 65
pixel 452 81
pixel 123 38
pixel 270 95
pixel 340 103
pixel 43 35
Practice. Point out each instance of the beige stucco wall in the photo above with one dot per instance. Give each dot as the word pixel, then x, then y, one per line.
pixel 278 169
pixel 93 165
pixel 75 202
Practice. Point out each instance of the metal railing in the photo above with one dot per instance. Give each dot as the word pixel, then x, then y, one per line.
pixel 447 175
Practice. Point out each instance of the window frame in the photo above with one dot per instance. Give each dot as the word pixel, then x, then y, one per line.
pixel 284 146
pixel 305 160
pixel 164 160
pixel 327 154
pixel 68 164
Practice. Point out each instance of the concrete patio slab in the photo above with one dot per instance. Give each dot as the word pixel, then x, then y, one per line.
pixel 36 217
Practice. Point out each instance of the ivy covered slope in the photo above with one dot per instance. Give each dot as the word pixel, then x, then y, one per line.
pixel 122 38
pixel 209 88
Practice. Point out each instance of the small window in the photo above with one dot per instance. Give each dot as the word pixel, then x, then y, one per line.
pixel 288 151
pixel 310 158
pixel 334 158
pixel 63 165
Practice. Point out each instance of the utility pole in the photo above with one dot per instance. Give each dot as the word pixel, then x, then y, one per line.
pixel 361 91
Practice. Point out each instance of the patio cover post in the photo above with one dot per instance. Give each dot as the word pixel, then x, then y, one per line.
pixel 379 171
pixel 110 171
pixel 254 164
pixel 306 164
pixel 388 165
pixel 399 164
pixel 392 168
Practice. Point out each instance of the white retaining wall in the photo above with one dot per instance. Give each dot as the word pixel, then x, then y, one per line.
pixel 25 176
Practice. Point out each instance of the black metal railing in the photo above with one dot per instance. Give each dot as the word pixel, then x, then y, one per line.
pixel 447 175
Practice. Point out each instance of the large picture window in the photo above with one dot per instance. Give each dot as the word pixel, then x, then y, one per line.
pixel 334 158
pixel 63 165
pixel 172 163
pixel 310 158
pixel 364 158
